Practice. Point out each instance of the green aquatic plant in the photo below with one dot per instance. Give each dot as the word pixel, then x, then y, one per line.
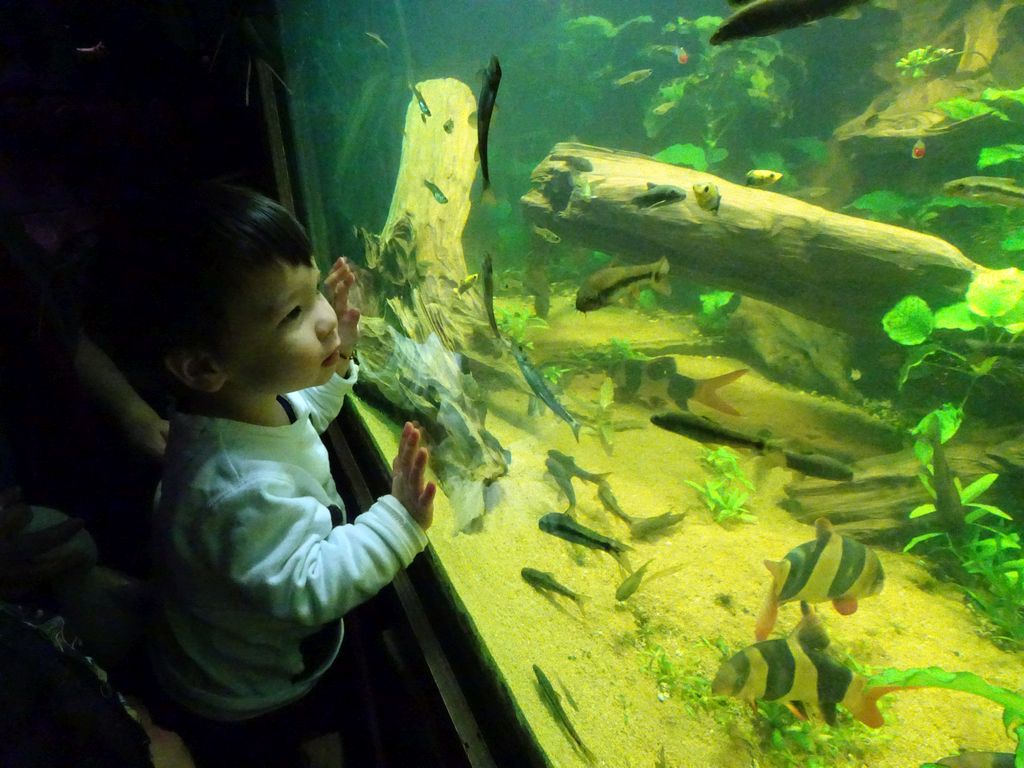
pixel 1012 702
pixel 715 309
pixel 988 321
pixel 553 373
pixel 514 322
pixel 692 156
pixel 722 493
pixel 602 26
pixel 918 61
pixel 791 743
pixel 1004 153
pixel 984 553
pixel 602 422
pixel 701 102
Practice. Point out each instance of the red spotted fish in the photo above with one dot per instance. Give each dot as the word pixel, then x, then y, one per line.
pixel 832 567
pixel 797 671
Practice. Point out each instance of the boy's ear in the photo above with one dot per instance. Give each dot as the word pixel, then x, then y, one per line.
pixel 196 370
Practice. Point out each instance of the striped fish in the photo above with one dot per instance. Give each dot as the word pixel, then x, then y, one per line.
pixel 832 567
pixel 797 671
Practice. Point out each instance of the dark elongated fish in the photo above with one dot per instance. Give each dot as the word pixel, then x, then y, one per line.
pixel 564 527
pixel 569 465
pixel 631 583
pixel 706 430
pixel 575 162
pixel 978 760
pixel 989 189
pixel 420 102
pixel 797 670
pixel 766 17
pixel 832 567
pixel 564 481
pixel 948 506
pixel 546 582
pixel 487 271
pixel 484 109
pixel 659 194
pixel 604 286
pixel 435 191
pixel 553 702
pixel 647 527
pixel 541 389
pixel 659 377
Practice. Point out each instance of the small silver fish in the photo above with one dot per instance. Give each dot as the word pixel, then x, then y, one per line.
pixel 435 191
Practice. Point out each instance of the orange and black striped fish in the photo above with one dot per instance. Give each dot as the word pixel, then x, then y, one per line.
pixel 832 567
pixel 797 671
pixel 658 379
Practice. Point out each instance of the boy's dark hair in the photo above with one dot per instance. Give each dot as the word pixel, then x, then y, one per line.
pixel 165 266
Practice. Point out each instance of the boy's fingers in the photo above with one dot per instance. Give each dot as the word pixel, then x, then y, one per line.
pixel 427 497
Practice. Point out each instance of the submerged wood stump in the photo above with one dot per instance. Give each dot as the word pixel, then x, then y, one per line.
pixel 841 271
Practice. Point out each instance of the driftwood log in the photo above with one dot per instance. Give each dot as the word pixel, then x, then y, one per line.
pixel 841 271
pixel 874 506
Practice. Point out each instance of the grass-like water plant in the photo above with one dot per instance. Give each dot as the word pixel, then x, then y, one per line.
pixel 722 492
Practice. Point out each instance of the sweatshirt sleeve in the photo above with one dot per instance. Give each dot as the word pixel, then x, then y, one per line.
pixel 283 553
pixel 324 402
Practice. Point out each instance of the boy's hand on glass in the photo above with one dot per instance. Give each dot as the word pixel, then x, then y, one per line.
pixel 407 479
pixel 338 282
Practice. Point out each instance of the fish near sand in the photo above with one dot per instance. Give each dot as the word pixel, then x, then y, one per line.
pixel 553 702
pixel 545 582
pixel 543 391
pixel 766 17
pixel 978 760
pixel 658 195
pixel 797 670
pixel 831 567
pixel 564 527
pixel 988 189
pixel 564 482
pixel 484 111
pixel 659 378
pixel 606 285
pixel 570 467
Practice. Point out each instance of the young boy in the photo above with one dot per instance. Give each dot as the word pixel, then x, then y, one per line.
pixel 255 562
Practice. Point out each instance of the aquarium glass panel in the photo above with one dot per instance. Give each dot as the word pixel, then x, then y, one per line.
pixel 710 312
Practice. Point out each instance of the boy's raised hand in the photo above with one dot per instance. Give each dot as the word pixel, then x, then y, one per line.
pixel 338 283
pixel 407 481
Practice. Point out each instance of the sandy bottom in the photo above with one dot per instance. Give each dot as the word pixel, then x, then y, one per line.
pixel 605 656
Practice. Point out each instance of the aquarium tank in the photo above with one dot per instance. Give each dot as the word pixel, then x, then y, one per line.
pixel 711 313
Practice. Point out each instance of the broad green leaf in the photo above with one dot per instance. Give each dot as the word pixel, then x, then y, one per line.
pixel 957 316
pixel 960 108
pixel 1004 153
pixel 770 160
pixel 706 24
pixel 995 94
pixel 991 510
pixel 910 322
pixel 884 202
pixel 1013 242
pixel 978 487
pixel 949 418
pixel 921 511
pixel 995 292
pixel 915 357
pixel 966 682
pixel 684 154
pixel 918 539
pixel 717 155
pixel 815 149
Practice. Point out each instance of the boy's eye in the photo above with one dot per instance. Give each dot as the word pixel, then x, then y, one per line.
pixel 294 314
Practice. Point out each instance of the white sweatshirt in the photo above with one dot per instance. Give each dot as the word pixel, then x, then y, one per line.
pixel 249 563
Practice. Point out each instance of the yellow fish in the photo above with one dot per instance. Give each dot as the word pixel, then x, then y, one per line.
pixel 661 109
pixel 707 196
pixel 636 76
pixel 759 178
pixel 467 282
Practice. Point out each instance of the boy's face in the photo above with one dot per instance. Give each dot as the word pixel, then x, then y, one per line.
pixel 281 333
